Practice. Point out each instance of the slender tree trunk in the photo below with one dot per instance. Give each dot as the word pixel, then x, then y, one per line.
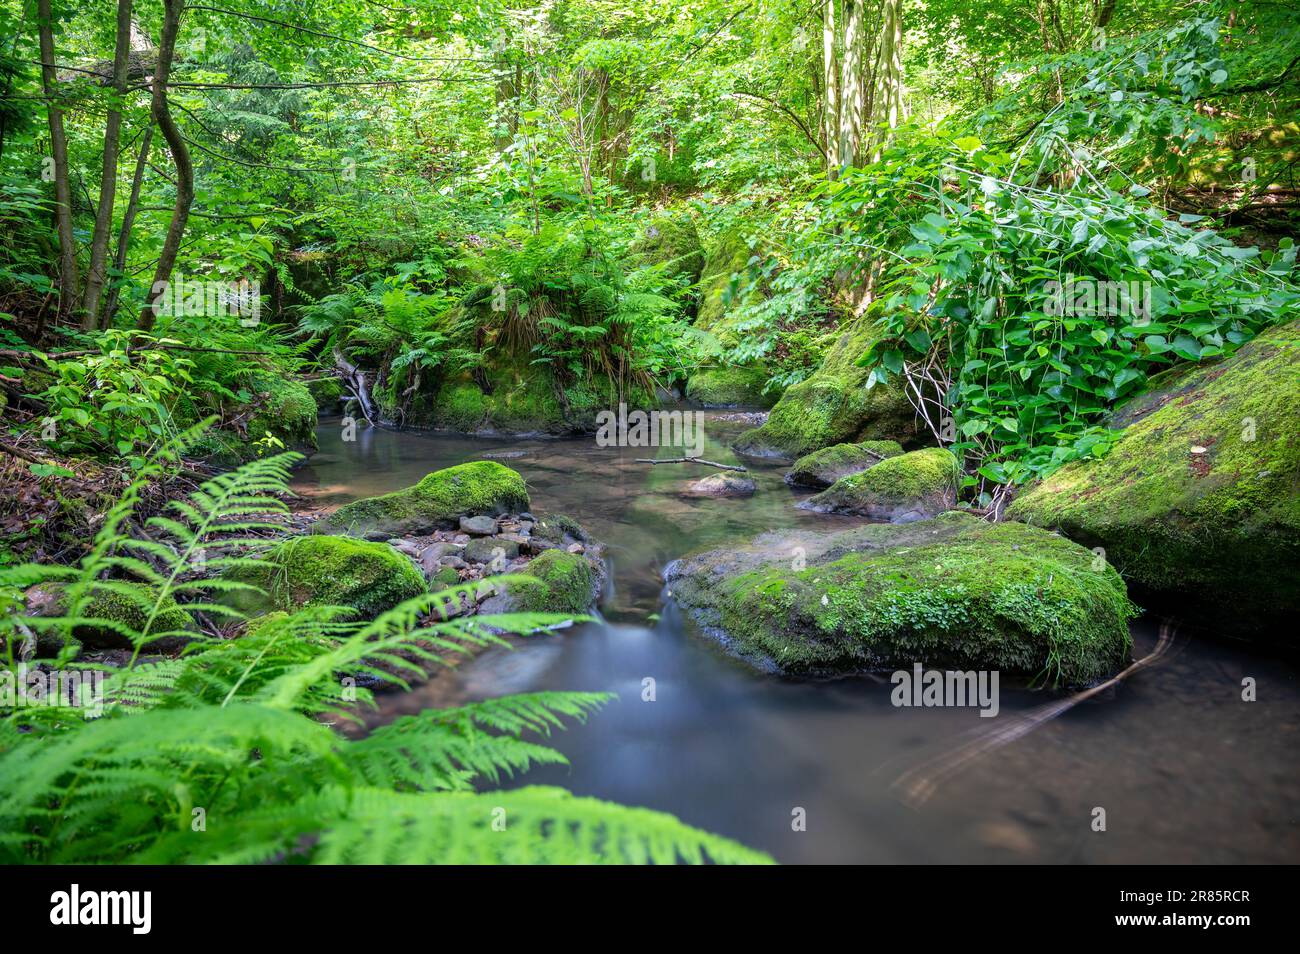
pixel 889 108
pixel 830 87
pixel 851 85
pixel 128 222
pixel 108 180
pixel 162 116
pixel 59 154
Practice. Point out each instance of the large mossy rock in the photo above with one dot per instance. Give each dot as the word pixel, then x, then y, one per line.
pixel 1199 499
pixel 436 502
pixel 323 570
pixel 910 486
pixel 672 243
pixel 522 399
pixel 729 387
pixel 953 592
pixel 822 468
pixel 834 406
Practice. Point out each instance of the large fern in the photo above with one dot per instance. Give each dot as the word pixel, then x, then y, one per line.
pixel 227 753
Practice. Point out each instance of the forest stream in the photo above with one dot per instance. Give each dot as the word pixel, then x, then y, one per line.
pixel 731 749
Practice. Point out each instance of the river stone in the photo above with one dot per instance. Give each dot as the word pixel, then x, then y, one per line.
pixel 436 502
pixel 432 555
pixel 485 549
pixel 482 526
pixel 899 489
pixel 822 468
pixel 726 484
pixel 1198 502
pixel 952 592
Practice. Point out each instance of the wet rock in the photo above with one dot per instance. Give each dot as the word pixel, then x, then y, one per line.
pixel 437 501
pixel 726 484
pixel 481 526
pixel 487 549
pixel 822 468
pixel 953 592
pixel 1198 502
pixel 908 487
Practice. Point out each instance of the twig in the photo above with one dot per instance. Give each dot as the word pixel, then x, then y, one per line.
pixel 690 460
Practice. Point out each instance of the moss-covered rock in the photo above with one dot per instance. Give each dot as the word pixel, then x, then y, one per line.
pixel 672 242
pixel 822 468
pixel 726 260
pixel 284 409
pixel 326 392
pixel 436 502
pixel 740 386
pixel 523 399
pixel 565 583
pixel 323 570
pixel 115 611
pixel 279 406
pixel 1200 496
pixel 951 592
pixel 834 405
pixel 910 486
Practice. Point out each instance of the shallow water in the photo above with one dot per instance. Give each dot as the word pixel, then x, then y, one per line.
pixel 1185 770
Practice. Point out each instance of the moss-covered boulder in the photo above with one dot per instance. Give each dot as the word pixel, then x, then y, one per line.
pixel 1199 498
pixel 326 391
pixel 565 583
pixel 834 405
pixel 952 592
pixel 324 570
pixel 720 280
pixel 520 398
pixel 822 468
pixel 114 615
pixel 910 486
pixel 280 407
pixel 436 502
pixel 739 386
pixel 672 243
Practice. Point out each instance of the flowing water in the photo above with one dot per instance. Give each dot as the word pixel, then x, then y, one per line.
pixel 1185 770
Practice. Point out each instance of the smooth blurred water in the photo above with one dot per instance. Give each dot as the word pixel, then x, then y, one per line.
pixel 1186 771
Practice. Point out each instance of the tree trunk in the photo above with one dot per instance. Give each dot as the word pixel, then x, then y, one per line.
pixel 162 116
pixel 108 180
pixel 124 234
pixel 851 85
pixel 889 109
pixel 830 87
pixel 59 154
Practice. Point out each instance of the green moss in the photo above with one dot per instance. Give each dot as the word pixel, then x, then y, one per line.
pixel 728 256
pixel 284 408
pixel 1199 497
pixel 822 468
pixel 330 571
pixel 459 406
pixel 953 592
pixel 445 576
pixel 565 584
pixel 126 605
pixel 439 500
pixel 672 242
pixel 729 387
pixel 917 484
pixel 834 405
pixel 326 392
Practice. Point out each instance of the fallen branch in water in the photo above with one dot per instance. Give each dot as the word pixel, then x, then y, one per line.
pixel 922 781
pixel 690 460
